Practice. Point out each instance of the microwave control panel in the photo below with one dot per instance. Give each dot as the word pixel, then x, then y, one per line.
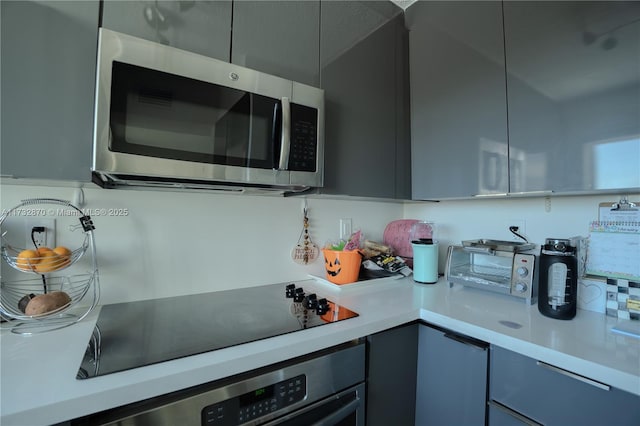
pixel 304 138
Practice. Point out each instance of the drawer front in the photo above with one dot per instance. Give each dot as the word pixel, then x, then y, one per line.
pixel 553 396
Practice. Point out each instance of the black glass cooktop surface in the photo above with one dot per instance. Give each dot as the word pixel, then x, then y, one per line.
pixel 135 334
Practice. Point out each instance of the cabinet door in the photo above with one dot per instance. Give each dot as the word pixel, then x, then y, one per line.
pixel 279 38
pixel 363 49
pixel 552 396
pixel 573 78
pixel 452 379
pixel 458 99
pixel 48 71
pixel 202 27
pixel 391 376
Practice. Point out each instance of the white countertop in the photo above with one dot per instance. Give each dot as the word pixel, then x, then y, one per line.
pixel 38 384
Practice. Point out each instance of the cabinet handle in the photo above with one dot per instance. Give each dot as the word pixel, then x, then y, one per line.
pixel 543 192
pixel 515 414
pixel 574 376
pixel 467 341
pixel 497 194
pixel 513 194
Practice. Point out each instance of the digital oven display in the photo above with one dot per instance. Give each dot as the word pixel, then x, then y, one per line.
pixel 257 395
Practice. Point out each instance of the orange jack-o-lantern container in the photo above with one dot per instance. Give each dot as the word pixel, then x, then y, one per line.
pixel 342 267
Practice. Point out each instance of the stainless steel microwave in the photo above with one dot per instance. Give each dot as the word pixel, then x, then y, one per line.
pixel 172 118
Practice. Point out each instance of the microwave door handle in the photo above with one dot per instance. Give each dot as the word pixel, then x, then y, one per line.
pixel 275 135
pixel 285 135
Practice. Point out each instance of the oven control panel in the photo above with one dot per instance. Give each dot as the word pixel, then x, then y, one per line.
pixel 257 403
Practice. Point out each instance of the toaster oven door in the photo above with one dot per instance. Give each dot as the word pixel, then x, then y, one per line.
pixel 486 270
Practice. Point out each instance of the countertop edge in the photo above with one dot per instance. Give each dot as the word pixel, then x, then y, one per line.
pixel 381 307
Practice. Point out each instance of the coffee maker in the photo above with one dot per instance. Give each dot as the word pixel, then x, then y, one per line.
pixel 558 278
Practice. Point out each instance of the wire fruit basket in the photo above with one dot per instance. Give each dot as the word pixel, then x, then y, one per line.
pixel 52 294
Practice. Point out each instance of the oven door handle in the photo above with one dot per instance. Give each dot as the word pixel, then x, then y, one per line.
pixel 339 414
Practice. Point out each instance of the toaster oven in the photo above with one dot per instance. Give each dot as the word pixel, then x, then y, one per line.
pixel 505 267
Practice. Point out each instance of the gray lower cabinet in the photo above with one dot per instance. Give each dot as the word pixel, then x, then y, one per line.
pixel 278 37
pixel 391 376
pixel 364 72
pixel 452 379
pixel 48 71
pixel 526 391
pixel 573 85
pixel 458 109
pixel 203 27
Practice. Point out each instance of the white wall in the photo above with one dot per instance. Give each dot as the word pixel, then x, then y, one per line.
pixel 175 243
pixel 471 219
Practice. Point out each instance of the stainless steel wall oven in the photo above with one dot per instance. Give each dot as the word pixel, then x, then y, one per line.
pixel 324 388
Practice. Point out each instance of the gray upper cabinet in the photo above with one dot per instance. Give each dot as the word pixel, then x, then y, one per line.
pixel 562 77
pixel 48 71
pixel 573 78
pixel 458 109
pixel 203 27
pixel 279 38
pixel 364 74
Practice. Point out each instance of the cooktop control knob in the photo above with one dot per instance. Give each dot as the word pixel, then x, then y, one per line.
pixel 323 307
pixel 312 301
pixel 289 289
pixel 522 271
pixel 298 295
pixel 521 287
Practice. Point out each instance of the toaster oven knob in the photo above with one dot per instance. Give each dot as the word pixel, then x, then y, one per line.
pixel 522 271
pixel 521 287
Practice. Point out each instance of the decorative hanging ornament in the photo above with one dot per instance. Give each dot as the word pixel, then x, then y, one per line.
pixel 305 251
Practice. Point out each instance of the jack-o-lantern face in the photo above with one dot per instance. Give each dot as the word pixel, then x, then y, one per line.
pixel 333 267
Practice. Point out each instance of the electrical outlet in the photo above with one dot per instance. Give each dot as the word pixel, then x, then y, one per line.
pixel 42 239
pixel 345 228
pixel 522 229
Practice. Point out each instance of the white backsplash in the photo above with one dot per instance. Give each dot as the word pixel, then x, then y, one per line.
pixel 538 218
pixel 173 243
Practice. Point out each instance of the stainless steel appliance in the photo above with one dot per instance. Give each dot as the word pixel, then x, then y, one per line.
pixel 559 278
pixel 165 117
pixel 505 267
pixel 176 327
pixel 325 388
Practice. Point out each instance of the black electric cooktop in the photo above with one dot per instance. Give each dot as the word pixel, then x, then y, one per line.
pixel 135 334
